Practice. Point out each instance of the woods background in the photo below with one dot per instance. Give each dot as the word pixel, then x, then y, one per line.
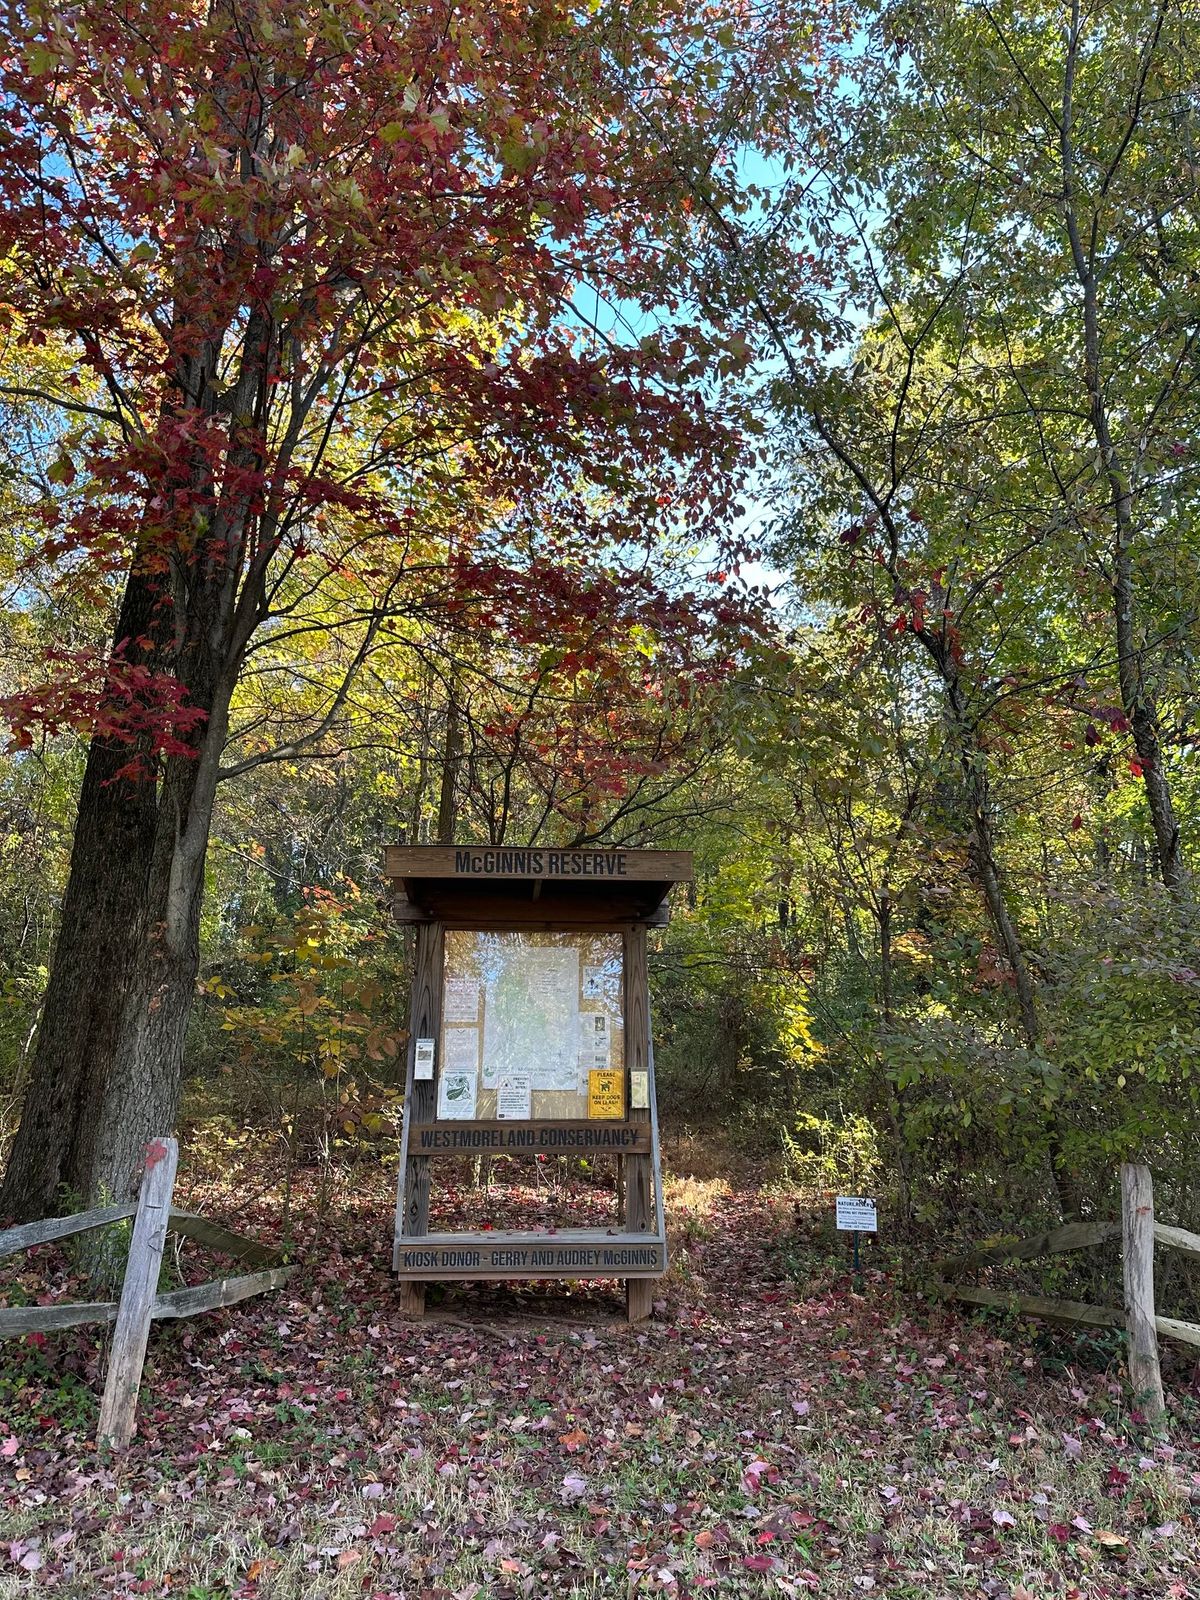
pixel 773 436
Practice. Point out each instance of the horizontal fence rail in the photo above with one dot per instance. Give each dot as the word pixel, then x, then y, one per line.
pixel 140 1304
pixel 1139 1233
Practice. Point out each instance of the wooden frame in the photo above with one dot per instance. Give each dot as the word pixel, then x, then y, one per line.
pixel 531 892
pixel 140 1303
pixel 1139 1233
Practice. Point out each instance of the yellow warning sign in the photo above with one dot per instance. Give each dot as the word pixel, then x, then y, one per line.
pixel 606 1093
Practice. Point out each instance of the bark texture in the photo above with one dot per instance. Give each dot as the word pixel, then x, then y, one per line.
pixel 85 998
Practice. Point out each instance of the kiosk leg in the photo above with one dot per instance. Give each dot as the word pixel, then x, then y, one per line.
pixel 412 1299
pixel 639 1298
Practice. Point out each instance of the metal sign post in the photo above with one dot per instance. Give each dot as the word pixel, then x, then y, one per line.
pixel 856 1214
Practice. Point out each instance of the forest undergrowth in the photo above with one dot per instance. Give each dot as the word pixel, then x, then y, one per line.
pixel 773 1431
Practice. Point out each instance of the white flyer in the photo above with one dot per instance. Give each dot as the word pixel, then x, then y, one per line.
pixel 456 1096
pixel 514 1097
pixel 461 1050
pixel 461 998
pixel 460 1074
pixel 593 1041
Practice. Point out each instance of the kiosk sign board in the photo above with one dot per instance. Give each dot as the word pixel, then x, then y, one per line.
pixel 530 1029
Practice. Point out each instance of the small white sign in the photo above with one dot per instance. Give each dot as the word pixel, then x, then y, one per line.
pixel 639 1091
pixel 855 1214
pixel 513 1097
pixel 423 1061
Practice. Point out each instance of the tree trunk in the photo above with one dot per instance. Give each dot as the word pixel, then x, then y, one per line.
pixel 107 1073
pixel 1142 711
pixel 987 871
pixel 84 1001
pixel 138 1096
pixel 894 1100
pixel 1137 697
pixel 447 820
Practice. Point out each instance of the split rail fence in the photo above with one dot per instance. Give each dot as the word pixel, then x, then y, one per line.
pixel 1139 1233
pixel 140 1303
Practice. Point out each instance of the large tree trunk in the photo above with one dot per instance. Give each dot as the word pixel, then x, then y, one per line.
pixel 85 998
pixel 108 1068
pixel 138 1097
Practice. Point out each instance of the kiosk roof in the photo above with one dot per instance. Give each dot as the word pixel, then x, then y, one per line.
pixel 534 886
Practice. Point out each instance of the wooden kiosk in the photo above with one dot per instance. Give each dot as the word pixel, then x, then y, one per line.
pixel 530 1035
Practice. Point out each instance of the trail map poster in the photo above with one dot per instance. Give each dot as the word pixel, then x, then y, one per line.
pixel 531 1006
pixel 545 1008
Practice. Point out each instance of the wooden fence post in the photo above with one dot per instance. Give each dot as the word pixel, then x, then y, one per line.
pixel 1137 1239
pixel 118 1409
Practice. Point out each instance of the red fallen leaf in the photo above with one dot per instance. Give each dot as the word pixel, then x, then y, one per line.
pixel 155 1151
pixel 382 1524
pixel 1059 1532
pixel 705 1539
pixel 758 1563
pixel 765 1537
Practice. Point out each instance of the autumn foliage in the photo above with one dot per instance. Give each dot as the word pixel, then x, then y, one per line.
pixel 306 287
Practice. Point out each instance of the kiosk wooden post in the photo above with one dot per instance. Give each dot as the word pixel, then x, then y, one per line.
pixel 637 1169
pixel 530 1035
pixel 412 1195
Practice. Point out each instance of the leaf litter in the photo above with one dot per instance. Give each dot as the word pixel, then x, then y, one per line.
pixel 771 1432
